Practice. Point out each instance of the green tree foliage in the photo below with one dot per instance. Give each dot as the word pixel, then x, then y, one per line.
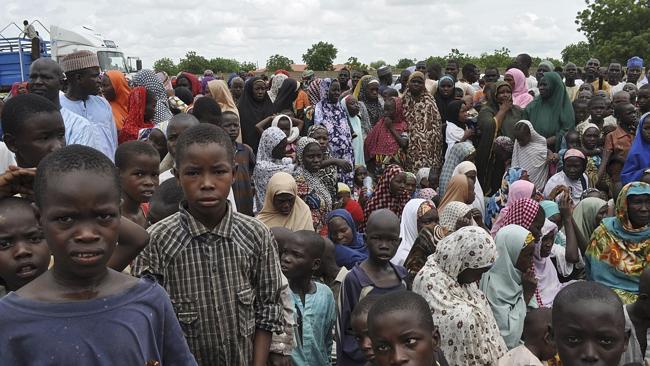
pixel 377 64
pixel 223 65
pixel 165 64
pixel 500 58
pixel 578 53
pixel 616 29
pixel 320 56
pixel 278 62
pixel 194 63
pixel 404 63
pixel 353 63
pixel 247 66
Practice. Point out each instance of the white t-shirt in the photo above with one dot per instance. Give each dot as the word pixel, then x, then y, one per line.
pixel 167 174
pixel 6 158
pixel 467 88
pixel 453 134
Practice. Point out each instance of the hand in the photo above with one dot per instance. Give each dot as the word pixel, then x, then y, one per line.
pixel 344 165
pixel 463 222
pixel 276 359
pixel 557 191
pixel 566 206
pixel 17 181
pixel 388 122
pixel 529 281
pixel 468 133
pixel 505 106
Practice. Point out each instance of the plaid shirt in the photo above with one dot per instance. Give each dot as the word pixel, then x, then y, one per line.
pixel 223 283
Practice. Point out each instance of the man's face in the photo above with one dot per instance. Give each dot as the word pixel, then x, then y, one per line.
pixel 614 73
pixel 344 77
pixel 45 80
pixel 591 69
pixel 634 74
pixel 452 69
pixel 491 75
pixel 571 72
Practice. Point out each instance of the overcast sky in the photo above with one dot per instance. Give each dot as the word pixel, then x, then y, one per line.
pixel 253 30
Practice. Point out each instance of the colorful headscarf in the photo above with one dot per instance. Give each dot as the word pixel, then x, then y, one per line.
pixel 266 165
pixel 153 85
pixel 380 140
pixel 375 108
pixel 426 193
pixel 311 178
pixel 550 208
pixel 194 82
pixel 459 152
pixel 134 121
pixel 357 128
pixel 204 83
pixel 218 90
pixel 522 213
pixel 348 255
pixel 313 91
pixel 520 189
pixel 548 284
pixel 120 105
pixel 620 225
pixel 382 198
pixel 520 95
pixel 584 215
pixel 451 213
pixel 457 190
pixel 553 116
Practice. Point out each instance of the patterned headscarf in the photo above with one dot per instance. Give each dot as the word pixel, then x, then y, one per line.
pixel 134 121
pixel 620 225
pixel 382 198
pixel 311 178
pixel 380 140
pixel 195 84
pixel 152 83
pixel 457 154
pixel 266 165
pixel 522 213
pixel 426 193
pixel 313 91
pixel 451 213
pixel 457 306
pixel 276 83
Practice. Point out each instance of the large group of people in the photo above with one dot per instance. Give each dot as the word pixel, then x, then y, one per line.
pixel 450 217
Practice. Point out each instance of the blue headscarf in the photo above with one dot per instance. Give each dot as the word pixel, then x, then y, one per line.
pixel 550 208
pixel 638 159
pixel 348 254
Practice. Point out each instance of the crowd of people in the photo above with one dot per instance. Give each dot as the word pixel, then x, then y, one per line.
pixel 450 217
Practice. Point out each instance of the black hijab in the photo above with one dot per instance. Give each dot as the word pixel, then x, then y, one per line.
pixel 443 102
pixel 251 112
pixel 286 96
pixel 453 109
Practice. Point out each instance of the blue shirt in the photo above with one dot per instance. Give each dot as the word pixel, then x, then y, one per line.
pixel 315 325
pixel 96 110
pixel 78 130
pixel 129 328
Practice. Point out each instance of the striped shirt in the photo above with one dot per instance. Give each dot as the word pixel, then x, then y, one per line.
pixel 223 283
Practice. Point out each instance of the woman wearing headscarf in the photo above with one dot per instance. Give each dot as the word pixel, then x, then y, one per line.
pixel 588 215
pixel 572 177
pixel 282 206
pixel 417 214
pixel 463 151
pixel 347 254
pixel 139 116
pixel 619 248
pixel 500 199
pixel 390 192
pixel 218 90
pixel 548 282
pixel 531 153
pixel 444 95
pixel 150 81
pixel 519 190
pixel 276 82
pixel 269 161
pixel 330 114
pixel 510 284
pixel 254 105
pixel 328 172
pixel 468 169
pixel 460 310
pixel 638 158
pixel 496 118
pixel 424 125
pixel 517 80
pixel 551 113
pixel 313 91
pixel 459 189
pixel 189 81
pixel 116 90
pixel 286 96
pixel 367 93
pixel 205 80
pixel 351 107
pixel 310 187
pixel 384 143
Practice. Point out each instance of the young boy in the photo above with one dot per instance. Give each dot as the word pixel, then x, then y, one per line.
pixel 643 99
pixel 588 325
pixel 33 127
pixel 314 303
pixel 375 275
pixel 597 107
pixel 176 126
pixel 138 163
pixel 538 344
pixel 81 301
pixel 619 141
pixel 245 159
pixel 165 201
pixel 402 331
pixel 207 111
pixel 359 321
pixel 220 267
pixel 580 111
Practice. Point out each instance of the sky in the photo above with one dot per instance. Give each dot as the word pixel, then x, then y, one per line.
pixel 253 30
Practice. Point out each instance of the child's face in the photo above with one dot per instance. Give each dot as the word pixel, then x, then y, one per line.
pixel 81 219
pixel 140 178
pixel 322 138
pixel 296 260
pixel 572 139
pixel 285 125
pixel 359 175
pixel 158 140
pixel 590 138
pixel 173 131
pixel 382 242
pixel 589 334
pixel 410 185
pixel 389 108
pixel 340 231
pixel 581 113
pixel 643 100
pixel 645 131
pixel 398 185
pixel 230 123
pixel 401 339
pixel 24 254
pixel 41 134
pixel 360 331
pixel 597 111
pixel 205 174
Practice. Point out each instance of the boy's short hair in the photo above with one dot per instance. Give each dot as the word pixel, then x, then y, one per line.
pixel 205 107
pixel 314 242
pixel 128 150
pixel 70 159
pixel 580 103
pixel 596 99
pixel 230 113
pixel 167 198
pixel 585 291
pixel 203 133
pixel 363 306
pixel 184 94
pixel 402 301
pixel 19 108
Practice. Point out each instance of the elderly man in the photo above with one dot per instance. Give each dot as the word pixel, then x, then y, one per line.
pixel 592 75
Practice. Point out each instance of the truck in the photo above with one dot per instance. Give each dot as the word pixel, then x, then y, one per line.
pixel 17 53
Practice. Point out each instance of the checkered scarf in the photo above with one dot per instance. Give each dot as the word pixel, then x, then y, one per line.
pixel 382 198
pixel 522 212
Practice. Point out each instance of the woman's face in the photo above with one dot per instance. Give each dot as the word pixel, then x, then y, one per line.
pixel 312 157
pixel 547 245
pixel 462 113
pixel 510 80
pixel 504 94
pixel 600 215
pixel 410 185
pixel 285 125
pixel 340 231
pixel 590 138
pixel 446 88
pixel 429 219
pixel 150 107
pixel 397 186
pixel 416 85
pixel 353 105
pixel 259 89
pixel 522 135
pixel 334 92
pixel 471 175
pixel 471 195
pixel 544 90
pixel 645 132
pixel 471 275
pixel 283 203
pixel 372 91
pixel 525 259
pixel 638 210
pixel 184 82
pixel 537 224
pixel 107 88
pixel 322 138
pixel 279 150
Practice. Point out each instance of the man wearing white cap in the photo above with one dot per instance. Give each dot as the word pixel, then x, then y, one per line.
pixel 82 72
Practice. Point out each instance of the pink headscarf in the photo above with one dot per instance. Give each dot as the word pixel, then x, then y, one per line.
pixel 520 96
pixel 574 153
pixel 519 190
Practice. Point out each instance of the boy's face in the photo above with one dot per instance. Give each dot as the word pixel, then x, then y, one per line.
pixel 572 139
pixel 597 111
pixel 401 339
pixel 643 100
pixel 81 218
pixel 40 134
pixel 360 330
pixel 173 131
pixel 589 334
pixel 24 254
pixel 581 113
pixel 382 242
pixel 140 178
pixel 205 174
pixel 296 260
pixel 230 124
pixel 628 115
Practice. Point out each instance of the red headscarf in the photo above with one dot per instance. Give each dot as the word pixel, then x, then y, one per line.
pixel 194 81
pixel 379 140
pixel 382 198
pixel 120 105
pixel 522 212
pixel 134 121
pixel 18 88
pixel 282 71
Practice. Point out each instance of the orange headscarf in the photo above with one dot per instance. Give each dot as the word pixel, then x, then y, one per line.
pixel 120 105
pixel 457 190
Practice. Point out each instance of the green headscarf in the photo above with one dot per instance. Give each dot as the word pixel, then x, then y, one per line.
pixel 585 213
pixel 553 116
pixel 550 208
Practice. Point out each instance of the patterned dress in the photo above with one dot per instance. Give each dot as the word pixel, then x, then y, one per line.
pixel 425 132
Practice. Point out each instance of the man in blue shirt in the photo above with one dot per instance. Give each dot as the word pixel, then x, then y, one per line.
pixel 81 69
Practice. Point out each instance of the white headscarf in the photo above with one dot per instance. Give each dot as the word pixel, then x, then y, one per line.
pixel 479 201
pixel 408 230
pixel 532 157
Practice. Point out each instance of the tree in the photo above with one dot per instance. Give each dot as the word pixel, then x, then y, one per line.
pixel 167 65
pixel 193 63
pixel 320 56
pixel 278 62
pixel 616 29
pixel 500 58
pixel 224 65
pixel 403 63
pixel 377 64
pixel 247 66
pixel 354 64
pixel 578 53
